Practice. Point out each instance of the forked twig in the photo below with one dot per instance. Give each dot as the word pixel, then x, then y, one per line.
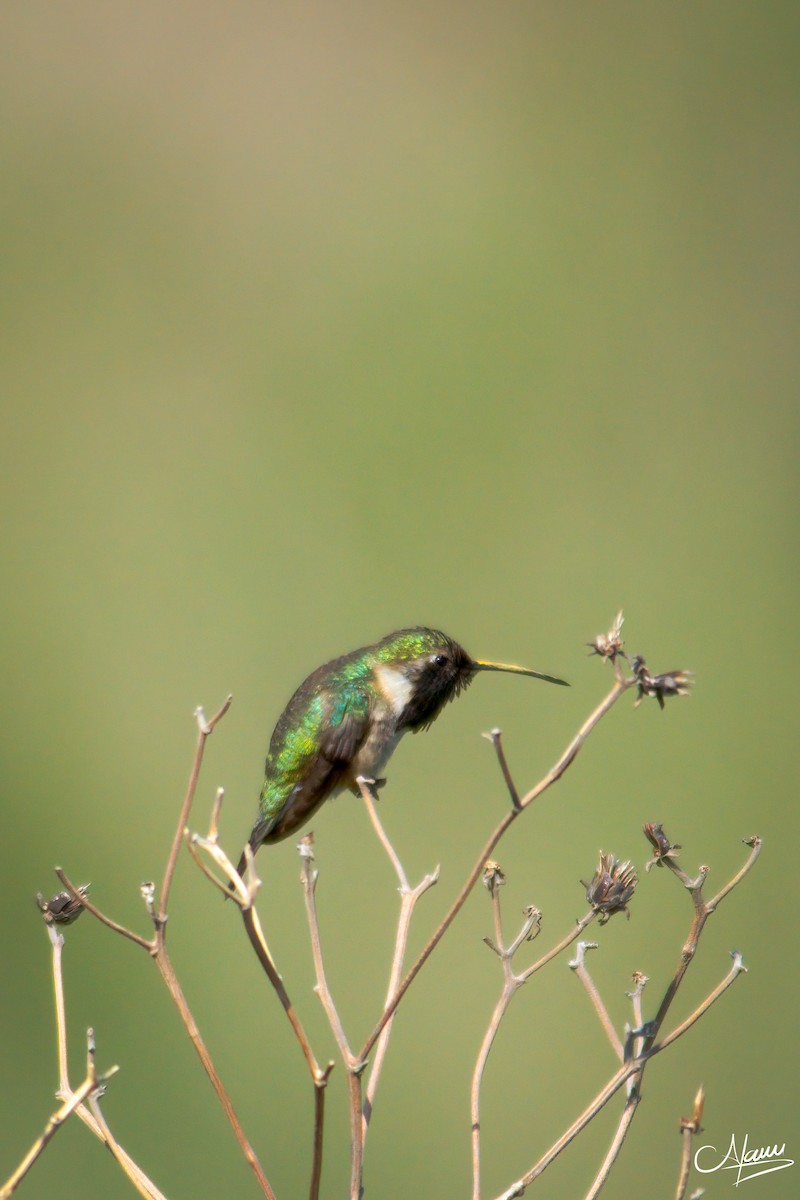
pixel 578 965
pixel 512 982
pixel 90 1084
pixel 243 890
pixel 158 950
pixel 408 900
pixel 634 1067
pixel 621 685
pixel 354 1067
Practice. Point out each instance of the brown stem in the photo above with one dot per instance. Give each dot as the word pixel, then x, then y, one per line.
pixel 408 900
pixel 578 965
pixel 204 729
pixel 157 947
pixel 624 1124
pixel 650 1047
pixel 511 984
pixel 257 941
pixel 104 920
pixel 496 738
pixel 690 1126
pixel 621 685
pixel 308 877
pixel 57 1119
pixel 167 971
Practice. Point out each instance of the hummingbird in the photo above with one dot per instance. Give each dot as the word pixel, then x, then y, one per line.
pixel 345 720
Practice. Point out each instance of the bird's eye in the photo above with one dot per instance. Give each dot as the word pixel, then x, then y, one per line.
pixel 440 660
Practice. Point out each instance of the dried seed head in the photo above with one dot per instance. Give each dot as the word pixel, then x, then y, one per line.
pixel 534 915
pixel 609 645
pixel 493 876
pixel 612 886
pixel 671 683
pixel 63 908
pixel 662 847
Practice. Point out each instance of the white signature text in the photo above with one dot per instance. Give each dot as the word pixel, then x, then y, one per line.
pixel 747 1164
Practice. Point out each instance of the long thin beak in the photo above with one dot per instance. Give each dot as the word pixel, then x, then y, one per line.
pixel 494 666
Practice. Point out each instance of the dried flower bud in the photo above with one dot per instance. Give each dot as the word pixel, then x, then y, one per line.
pixel 493 876
pixel 63 908
pixel 662 847
pixel 671 683
pixel 305 847
pixel 534 915
pixel 611 888
pixel 640 981
pixel 692 1123
pixel 609 645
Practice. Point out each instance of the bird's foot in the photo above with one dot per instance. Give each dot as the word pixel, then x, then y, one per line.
pixel 374 785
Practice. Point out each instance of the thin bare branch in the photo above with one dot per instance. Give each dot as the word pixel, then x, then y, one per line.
pixel 57 1119
pixel 737 968
pixel 92 1119
pixel 164 964
pixel 580 925
pixel 511 984
pixel 621 685
pixel 114 925
pixel 57 943
pixel 95 1121
pixel 755 843
pixel 309 876
pixel 354 1067
pixel 495 736
pixel 408 900
pixel 365 787
pixel 578 965
pixel 690 1126
pixel 204 730
pixel 624 1124
pixel 633 1069
pixel 320 1091
pixel 157 948
pixel 259 944
pixel 243 892
pixel 319 1075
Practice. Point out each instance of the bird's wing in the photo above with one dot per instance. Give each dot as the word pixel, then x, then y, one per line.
pixel 306 762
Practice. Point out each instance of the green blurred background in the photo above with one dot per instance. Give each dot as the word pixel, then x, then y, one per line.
pixel 324 319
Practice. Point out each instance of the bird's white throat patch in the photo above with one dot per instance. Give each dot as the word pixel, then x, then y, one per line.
pixel 395 687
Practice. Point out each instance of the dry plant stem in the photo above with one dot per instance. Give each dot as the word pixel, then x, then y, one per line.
pixel 94 1120
pixel 319 1075
pixel 90 1084
pixel 57 942
pixel 146 943
pixel 353 1067
pixel 158 952
pixel 621 685
pixel 635 1066
pixel 578 965
pixel 204 729
pixel 686 1162
pixel 511 984
pixel 702 912
pixel 164 964
pixel 244 894
pixel 258 942
pixel 408 900
pixel 496 738
pixel 689 1128
pixel 631 1102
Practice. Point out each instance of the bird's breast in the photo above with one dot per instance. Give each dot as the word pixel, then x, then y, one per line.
pixel 377 748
